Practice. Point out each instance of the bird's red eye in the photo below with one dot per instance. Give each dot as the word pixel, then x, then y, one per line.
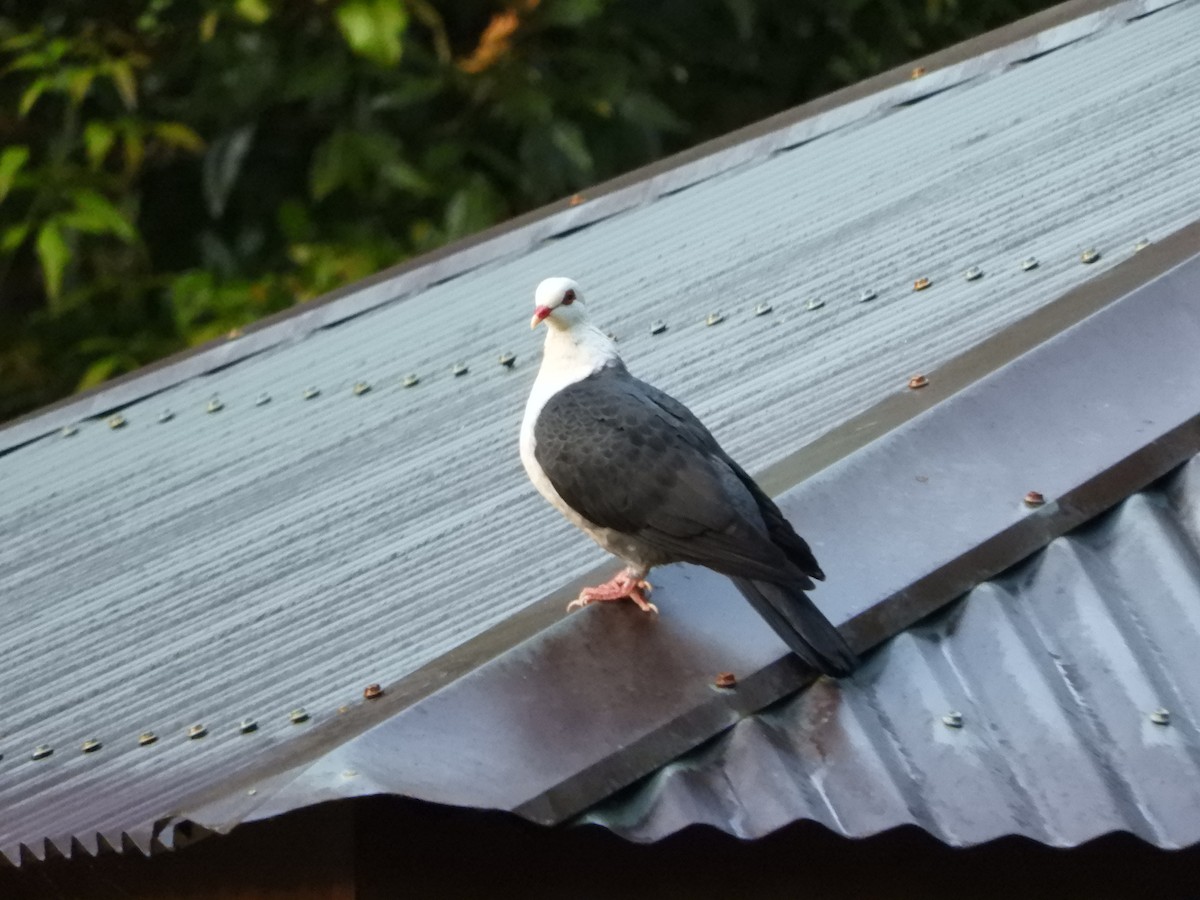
pixel 568 298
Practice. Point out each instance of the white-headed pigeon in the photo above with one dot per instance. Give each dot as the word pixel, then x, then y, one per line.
pixel 638 472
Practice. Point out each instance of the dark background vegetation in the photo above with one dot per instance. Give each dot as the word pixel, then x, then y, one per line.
pixel 173 169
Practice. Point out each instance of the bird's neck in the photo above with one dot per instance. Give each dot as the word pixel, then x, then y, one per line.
pixel 571 354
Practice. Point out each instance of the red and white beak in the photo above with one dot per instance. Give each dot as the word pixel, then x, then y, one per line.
pixel 538 314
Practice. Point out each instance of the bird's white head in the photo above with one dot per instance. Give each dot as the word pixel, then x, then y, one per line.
pixel 559 303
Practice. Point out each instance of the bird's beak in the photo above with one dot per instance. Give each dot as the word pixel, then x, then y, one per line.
pixel 538 314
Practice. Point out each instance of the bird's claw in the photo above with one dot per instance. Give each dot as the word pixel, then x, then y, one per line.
pixel 622 587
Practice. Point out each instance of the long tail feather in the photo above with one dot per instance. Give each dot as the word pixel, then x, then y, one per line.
pixel 802 626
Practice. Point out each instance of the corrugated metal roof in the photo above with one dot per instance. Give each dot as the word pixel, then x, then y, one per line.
pixel 1056 669
pixel 243 562
pixel 588 705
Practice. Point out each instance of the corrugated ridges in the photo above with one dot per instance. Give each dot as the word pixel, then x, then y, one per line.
pixel 1055 668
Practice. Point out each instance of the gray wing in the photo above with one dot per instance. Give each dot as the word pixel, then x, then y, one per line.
pixel 628 457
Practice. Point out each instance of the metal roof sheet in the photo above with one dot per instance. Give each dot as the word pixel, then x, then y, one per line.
pixel 265 556
pixel 1058 672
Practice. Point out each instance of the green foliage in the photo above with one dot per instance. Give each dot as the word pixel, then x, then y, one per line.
pixel 171 170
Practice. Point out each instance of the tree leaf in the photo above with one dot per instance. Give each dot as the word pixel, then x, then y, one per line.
pixel 569 140
pixel 570 13
pixel 98 138
pixel 374 29
pixel 99 371
pixel 95 214
pixel 176 134
pixel 13 237
pixel 53 254
pixel 79 82
pixel 256 11
pixel 222 165
pixel 31 94
pixel 124 81
pixel 11 161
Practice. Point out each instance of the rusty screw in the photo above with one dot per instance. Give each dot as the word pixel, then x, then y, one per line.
pixel 372 692
pixel 1034 498
pixel 725 680
pixel 576 199
pixel 917 382
pixel 921 283
pixel 917 72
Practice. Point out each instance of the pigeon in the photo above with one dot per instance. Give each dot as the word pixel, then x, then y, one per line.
pixel 638 472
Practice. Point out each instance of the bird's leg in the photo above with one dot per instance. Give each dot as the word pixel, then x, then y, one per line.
pixel 627 585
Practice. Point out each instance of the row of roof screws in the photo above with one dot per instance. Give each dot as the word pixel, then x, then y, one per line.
pixel 508 360
pixel 974 273
pixel 297 716
pixel 215 404
pixel 1160 716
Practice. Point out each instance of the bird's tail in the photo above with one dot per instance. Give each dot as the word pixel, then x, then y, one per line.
pixel 802 626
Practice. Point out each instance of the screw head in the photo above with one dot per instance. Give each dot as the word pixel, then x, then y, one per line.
pixel 1029 263
pixel 298 715
pixel 1089 255
pixel 460 369
pixel 311 393
pixel 247 726
pixel 814 303
pixel 214 404
pixel 68 430
pixel 166 416
pixel 953 719
pixel 866 295
pixel 658 327
pixel 41 751
pixel 372 692
pixel 917 382
pixel 762 308
pixel 116 421
pixel 1034 498
pixel 921 283
pixel 196 732
pixel 1141 245
pixel 360 388
pixel 146 738
pixel 91 745
pixel 725 680
pixel 973 274
pixel 576 199
pixel 508 360
pixel 917 72
pixel 714 318
pixel 1161 716
pixel 411 380
pixel 262 399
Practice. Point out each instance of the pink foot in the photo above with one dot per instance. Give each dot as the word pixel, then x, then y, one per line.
pixel 626 586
